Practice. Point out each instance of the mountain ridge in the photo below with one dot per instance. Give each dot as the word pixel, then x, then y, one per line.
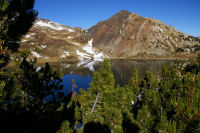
pixel 123 35
pixel 127 34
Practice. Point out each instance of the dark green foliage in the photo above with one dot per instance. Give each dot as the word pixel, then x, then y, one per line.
pixel 193 66
pixel 30 99
pixel 180 50
pixel 166 103
pixel 102 103
pixel 128 125
pixel 38 105
pixel 33 86
pixel 19 17
pixel 16 17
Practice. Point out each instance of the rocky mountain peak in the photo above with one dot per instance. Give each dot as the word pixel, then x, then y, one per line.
pixel 122 13
pixel 129 35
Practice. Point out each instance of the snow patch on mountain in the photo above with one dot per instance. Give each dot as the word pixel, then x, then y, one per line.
pixel 76 43
pixel 160 29
pixel 65 53
pixel 90 57
pixel 43 46
pixel 157 28
pixel 70 37
pixel 90 65
pixel 52 25
pixel 35 54
pixel 99 57
pixel 81 62
pixel 82 56
pixel 49 25
pixel 88 48
pixel 67 66
pixel 27 36
pixel 70 30
pixel 32 34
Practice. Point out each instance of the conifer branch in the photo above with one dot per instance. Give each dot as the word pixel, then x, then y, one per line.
pixel 97 97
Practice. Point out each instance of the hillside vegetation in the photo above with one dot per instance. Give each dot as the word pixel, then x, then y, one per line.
pixel 167 103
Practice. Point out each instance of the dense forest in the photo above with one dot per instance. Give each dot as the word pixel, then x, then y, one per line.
pixel 32 101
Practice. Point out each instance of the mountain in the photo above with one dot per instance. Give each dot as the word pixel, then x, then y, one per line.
pixel 125 34
pixel 130 35
pixel 50 41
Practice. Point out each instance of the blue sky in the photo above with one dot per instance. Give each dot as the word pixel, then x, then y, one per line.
pixel 184 15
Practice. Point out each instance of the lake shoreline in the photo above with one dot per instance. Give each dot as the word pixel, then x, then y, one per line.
pixel 52 61
pixel 121 68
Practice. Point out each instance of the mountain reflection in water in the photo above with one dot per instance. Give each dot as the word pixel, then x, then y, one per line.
pixel 121 68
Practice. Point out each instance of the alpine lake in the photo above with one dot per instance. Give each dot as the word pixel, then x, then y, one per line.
pixel 82 71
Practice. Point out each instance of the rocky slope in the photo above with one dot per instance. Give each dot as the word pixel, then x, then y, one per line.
pixel 49 41
pixel 130 35
pixel 125 34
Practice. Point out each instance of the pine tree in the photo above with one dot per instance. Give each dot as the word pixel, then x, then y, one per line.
pixel 16 17
pixel 103 103
pixel 3 52
pixel 92 101
pixel 187 105
pixel 23 95
pixel 33 86
pixel 169 103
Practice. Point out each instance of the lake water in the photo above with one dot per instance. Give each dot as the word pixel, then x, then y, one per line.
pixel 122 69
